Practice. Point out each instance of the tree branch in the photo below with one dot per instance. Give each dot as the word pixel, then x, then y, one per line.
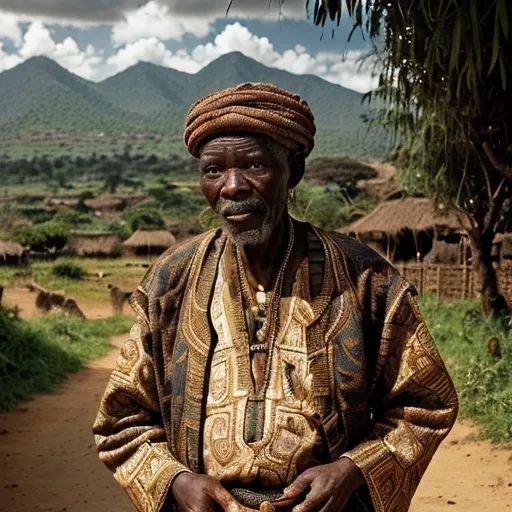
pixel 504 169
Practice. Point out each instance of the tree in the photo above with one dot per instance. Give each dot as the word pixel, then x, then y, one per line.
pixel 445 73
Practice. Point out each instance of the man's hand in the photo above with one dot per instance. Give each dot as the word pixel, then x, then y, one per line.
pixel 330 486
pixel 201 493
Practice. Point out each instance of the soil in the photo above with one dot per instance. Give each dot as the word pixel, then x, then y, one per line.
pixel 49 463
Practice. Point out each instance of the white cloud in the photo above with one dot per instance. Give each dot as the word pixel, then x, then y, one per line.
pixel 10 27
pixel 342 69
pixel 38 41
pixel 151 50
pixel 154 20
pixel 8 61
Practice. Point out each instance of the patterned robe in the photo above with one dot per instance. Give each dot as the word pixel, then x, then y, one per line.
pixel 380 392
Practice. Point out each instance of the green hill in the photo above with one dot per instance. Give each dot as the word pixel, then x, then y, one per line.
pixel 147 88
pixel 41 95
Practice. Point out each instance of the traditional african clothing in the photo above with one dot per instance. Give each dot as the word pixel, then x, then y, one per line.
pixel 354 373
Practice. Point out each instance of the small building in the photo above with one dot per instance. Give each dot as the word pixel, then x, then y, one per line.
pixel 112 203
pixel 147 243
pixel 11 253
pixel 405 229
pixel 502 247
pixel 94 244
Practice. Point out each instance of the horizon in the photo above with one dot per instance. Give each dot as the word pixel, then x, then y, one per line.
pixel 96 40
pixel 43 57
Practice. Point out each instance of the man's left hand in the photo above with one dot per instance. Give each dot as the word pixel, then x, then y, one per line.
pixel 330 486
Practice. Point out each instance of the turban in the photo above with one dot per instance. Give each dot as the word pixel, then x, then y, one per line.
pixel 255 108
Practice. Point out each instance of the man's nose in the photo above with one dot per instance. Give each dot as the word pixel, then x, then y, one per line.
pixel 235 184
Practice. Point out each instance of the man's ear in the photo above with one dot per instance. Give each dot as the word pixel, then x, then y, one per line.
pixel 297 166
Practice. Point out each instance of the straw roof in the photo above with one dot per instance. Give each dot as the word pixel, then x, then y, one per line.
pixel 141 239
pixel 413 213
pixel 10 249
pixel 115 201
pixel 94 243
pixel 105 202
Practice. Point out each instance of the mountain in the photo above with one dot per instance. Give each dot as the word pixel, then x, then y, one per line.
pixel 146 88
pixel 41 95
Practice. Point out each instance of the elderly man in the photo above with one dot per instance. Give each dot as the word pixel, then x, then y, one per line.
pixel 272 364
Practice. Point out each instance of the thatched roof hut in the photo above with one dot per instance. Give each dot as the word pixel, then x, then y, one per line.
pixel 405 228
pixel 107 203
pixel 502 246
pixel 412 213
pixel 11 252
pixel 149 242
pixel 94 243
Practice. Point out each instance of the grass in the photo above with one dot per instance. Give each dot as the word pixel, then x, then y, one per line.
pixel 90 287
pixel 35 355
pixel 483 383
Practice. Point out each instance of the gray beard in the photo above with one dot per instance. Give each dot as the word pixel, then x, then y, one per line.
pixel 252 237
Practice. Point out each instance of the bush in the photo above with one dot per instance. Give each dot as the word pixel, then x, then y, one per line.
pixel 144 218
pixel 36 355
pixel 43 237
pixel 68 270
pixel 483 382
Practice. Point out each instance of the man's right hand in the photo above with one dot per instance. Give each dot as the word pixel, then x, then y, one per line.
pixel 202 493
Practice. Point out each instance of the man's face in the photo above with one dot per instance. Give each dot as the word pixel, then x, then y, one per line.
pixel 245 180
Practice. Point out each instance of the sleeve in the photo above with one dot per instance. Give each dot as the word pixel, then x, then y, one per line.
pixel 414 407
pixel 128 430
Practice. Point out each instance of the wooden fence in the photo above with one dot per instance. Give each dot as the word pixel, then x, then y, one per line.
pixel 451 282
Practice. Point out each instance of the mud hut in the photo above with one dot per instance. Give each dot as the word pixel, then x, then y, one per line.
pixel 405 229
pixel 502 247
pixel 111 203
pixel 11 253
pixel 146 243
pixel 94 244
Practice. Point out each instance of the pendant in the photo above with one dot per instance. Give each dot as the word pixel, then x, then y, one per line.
pixel 261 297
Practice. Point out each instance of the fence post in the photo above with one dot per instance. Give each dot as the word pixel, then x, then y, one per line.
pixel 464 280
pixel 438 284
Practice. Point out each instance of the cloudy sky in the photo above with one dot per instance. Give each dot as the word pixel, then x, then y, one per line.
pixel 98 38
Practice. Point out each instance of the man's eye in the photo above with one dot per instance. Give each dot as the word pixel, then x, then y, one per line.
pixel 257 165
pixel 212 171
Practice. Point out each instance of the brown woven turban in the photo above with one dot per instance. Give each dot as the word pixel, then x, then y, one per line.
pixel 256 108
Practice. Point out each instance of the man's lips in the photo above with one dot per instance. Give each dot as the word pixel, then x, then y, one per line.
pixel 240 217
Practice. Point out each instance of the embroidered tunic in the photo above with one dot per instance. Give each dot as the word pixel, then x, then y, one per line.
pixel 360 359
pixel 269 439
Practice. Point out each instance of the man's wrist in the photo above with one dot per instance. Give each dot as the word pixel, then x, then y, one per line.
pixel 352 471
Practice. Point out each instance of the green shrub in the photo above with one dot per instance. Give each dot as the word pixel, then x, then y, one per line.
pixel 36 355
pixel 483 382
pixel 43 237
pixel 144 218
pixel 68 270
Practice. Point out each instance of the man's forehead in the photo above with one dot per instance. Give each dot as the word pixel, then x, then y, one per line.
pixel 234 143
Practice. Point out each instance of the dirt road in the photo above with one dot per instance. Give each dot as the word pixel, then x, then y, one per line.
pixel 48 461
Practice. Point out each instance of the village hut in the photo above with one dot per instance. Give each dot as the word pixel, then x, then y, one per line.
pixel 106 203
pixel 502 247
pixel 11 253
pixel 94 244
pixel 112 203
pixel 405 229
pixel 146 243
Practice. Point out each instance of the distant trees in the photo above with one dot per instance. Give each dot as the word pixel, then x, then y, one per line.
pixel 446 74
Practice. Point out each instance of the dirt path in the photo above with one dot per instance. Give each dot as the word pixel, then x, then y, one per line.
pixel 48 461
pixel 47 449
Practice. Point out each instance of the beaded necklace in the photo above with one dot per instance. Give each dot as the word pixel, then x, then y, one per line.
pixel 263 307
